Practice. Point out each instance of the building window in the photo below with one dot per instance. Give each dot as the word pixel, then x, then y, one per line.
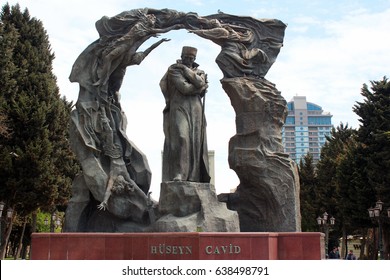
pixel 290 120
pixel 319 120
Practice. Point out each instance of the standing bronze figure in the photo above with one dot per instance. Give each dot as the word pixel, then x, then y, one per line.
pixel 185 156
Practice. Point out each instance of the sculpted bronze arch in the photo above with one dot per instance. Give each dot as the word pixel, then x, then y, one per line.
pixel 111 193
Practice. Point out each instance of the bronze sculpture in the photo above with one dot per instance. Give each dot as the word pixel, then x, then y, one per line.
pixel 116 176
pixel 185 156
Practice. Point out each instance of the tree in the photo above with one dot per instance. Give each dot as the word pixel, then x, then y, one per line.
pixel 354 191
pixel 308 199
pixel 36 164
pixel 374 115
pixel 4 129
pixel 332 154
pixel 373 134
pixel 8 39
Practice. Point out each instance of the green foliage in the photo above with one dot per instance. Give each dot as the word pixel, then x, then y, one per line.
pixel 331 155
pixel 334 188
pixel 352 187
pixel 353 171
pixel 36 164
pixel 374 115
pixel 308 199
pixel 41 224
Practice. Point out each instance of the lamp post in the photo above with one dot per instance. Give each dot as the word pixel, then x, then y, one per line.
pixel 55 222
pixel 375 215
pixel 52 221
pixel 58 222
pixel 324 224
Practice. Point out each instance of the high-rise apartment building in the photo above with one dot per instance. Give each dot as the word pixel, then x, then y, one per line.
pixel 305 129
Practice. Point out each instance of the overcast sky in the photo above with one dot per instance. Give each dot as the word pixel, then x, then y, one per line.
pixel 331 48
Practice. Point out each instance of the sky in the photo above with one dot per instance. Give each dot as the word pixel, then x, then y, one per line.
pixel 331 48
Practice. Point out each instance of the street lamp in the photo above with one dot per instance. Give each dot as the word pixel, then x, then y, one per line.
pixel 52 221
pixel 58 222
pixel 375 215
pixel 324 224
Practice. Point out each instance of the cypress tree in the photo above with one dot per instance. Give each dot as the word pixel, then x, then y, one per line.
pixel 308 200
pixel 328 191
pixel 8 39
pixel 36 164
pixel 374 113
pixel 373 134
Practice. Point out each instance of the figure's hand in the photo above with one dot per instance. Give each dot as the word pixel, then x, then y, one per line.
pixel 165 40
pixel 181 66
pixel 102 206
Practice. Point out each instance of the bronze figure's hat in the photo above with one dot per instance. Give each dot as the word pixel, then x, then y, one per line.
pixel 189 51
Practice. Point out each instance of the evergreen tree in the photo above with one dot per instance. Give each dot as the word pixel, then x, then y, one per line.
pixel 329 199
pixel 36 164
pixel 374 115
pixel 8 39
pixel 352 187
pixel 331 155
pixel 308 200
pixel 373 134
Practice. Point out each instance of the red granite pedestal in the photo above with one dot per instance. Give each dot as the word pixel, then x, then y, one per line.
pixel 178 246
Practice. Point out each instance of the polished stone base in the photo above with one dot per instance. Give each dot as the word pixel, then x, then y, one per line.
pixel 178 246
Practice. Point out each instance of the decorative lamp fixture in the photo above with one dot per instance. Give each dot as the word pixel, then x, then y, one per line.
pixel 2 204
pixel 379 205
pixel 377 212
pixel 58 222
pixel 10 211
pixel 371 212
pixel 325 216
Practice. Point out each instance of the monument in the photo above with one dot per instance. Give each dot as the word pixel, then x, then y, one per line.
pixel 111 195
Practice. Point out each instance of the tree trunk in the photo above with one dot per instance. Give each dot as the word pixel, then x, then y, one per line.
pixel 386 244
pixel 34 221
pixel 344 247
pixel 6 239
pixel 20 246
pixel 374 245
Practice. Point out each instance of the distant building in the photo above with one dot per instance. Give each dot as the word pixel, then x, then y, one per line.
pixel 305 129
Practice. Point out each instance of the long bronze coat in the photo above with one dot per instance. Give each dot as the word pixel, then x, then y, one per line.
pixel 185 155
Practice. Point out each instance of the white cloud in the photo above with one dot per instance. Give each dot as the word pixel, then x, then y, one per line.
pixel 330 70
